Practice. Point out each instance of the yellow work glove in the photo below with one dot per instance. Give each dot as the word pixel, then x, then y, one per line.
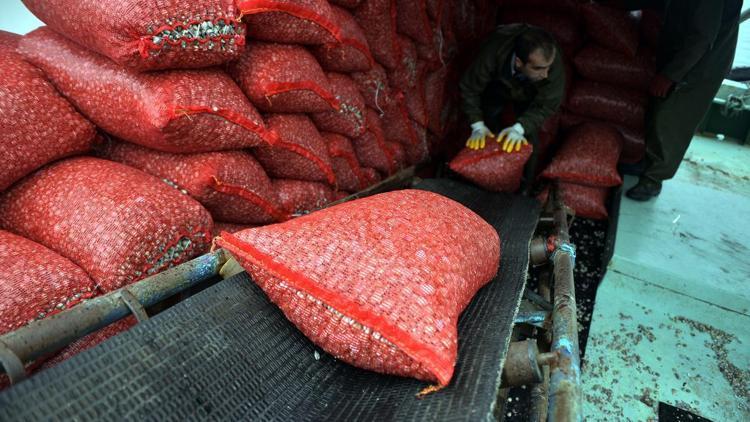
pixel 512 138
pixel 479 134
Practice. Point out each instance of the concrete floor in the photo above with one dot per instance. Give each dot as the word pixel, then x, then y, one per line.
pixel 672 315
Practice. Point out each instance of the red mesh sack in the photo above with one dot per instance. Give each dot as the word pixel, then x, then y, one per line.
pixel 37 125
pixel 339 195
pixel 283 79
pixel 412 20
pixel 301 197
pixel 491 167
pixel 547 137
pixel 301 152
pixel 221 226
pixel 377 282
pixel 377 18
pixel 374 87
pixel 608 102
pixel 588 156
pixel 349 4
pixel 567 6
pixel 586 201
pixel 117 223
pixel 419 152
pixel 36 282
pixel 146 35
pixel 434 9
pixel 611 28
pixel 352 53
pixel 435 99
pixel 370 148
pixel 349 120
pixel 397 153
pixel 408 78
pixel 602 65
pixel 91 340
pixel 232 185
pixel 371 176
pixel 562 26
pixel 633 140
pixel 174 111
pixel 465 20
pixel 396 123
pixel 290 21
pixel 345 163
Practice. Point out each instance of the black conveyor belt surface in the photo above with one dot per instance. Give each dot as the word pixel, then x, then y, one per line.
pixel 228 353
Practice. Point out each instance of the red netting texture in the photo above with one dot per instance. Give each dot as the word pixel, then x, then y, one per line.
pixel 491 167
pixel 352 53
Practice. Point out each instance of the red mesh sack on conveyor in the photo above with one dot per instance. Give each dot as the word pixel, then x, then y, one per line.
pixel 301 152
pixel 220 226
pixel 91 340
pixel 377 18
pixel 232 185
pixel 634 140
pixel 586 201
pixel 397 270
pixel 345 163
pixel 370 148
pixel 374 86
pixel 147 35
pixel 412 20
pixel 37 125
pixel 283 78
pixel 174 111
pixel 117 223
pixel 491 167
pixel 564 27
pixel 588 156
pixel 36 281
pixel 371 176
pixel 607 102
pixel 602 65
pixel 351 53
pixel 349 120
pixel 302 197
pixel 611 28
pixel 290 21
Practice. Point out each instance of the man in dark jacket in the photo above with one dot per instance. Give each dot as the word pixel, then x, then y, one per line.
pixel 519 66
pixel 696 49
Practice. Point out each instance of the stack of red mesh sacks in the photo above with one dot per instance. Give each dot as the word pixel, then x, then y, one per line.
pixel 145 75
pixel 609 57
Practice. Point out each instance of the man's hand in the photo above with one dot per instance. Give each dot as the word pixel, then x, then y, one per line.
pixel 479 134
pixel 660 86
pixel 512 138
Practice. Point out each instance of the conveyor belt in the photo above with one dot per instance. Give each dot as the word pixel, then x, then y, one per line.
pixel 227 353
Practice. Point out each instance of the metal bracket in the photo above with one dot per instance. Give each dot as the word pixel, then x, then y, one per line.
pixel 134 305
pixel 12 364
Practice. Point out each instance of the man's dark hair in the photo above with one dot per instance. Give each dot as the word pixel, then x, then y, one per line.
pixel 533 39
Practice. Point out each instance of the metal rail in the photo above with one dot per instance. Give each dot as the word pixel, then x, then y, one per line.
pixel 40 338
pixel 565 371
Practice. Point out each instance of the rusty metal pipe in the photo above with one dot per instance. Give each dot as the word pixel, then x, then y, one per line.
pixel 565 372
pixel 51 334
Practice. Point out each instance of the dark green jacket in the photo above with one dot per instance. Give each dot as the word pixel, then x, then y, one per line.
pixel 697 39
pixel 492 67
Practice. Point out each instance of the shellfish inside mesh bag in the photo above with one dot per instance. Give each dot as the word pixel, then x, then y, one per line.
pixel 232 185
pixel 302 197
pixel 37 125
pixel 370 148
pixel 283 78
pixel 612 28
pixel 36 281
pixel 588 156
pixel 117 223
pixel 290 21
pixel 349 120
pixel 377 282
pixel 351 53
pixel 622 106
pixel 377 18
pixel 374 86
pixel 174 111
pixel 147 34
pixel 491 167
pixel 301 152
pixel 345 163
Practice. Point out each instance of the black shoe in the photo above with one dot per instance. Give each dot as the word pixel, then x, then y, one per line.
pixel 644 190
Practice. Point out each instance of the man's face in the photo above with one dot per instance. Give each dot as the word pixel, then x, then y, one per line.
pixel 537 67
